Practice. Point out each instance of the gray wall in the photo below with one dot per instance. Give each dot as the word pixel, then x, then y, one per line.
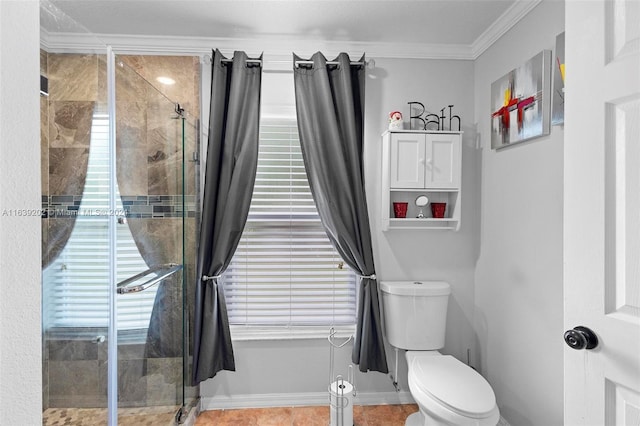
pixel 20 349
pixel 427 254
pixel 518 281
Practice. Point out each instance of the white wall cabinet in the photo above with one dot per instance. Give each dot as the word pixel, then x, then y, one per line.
pixel 418 163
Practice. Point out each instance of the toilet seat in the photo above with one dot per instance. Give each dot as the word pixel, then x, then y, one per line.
pixel 450 389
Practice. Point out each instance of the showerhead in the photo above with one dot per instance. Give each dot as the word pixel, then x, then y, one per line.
pixel 44 86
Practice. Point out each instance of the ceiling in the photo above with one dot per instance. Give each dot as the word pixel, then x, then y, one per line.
pixel 399 23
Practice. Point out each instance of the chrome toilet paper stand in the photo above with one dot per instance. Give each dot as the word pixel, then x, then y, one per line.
pixel 339 401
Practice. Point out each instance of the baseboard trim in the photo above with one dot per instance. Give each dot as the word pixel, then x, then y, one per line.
pixel 298 400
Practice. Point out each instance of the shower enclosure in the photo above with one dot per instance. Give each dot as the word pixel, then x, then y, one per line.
pixel 119 199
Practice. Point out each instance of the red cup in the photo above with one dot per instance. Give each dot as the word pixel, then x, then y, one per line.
pixel 400 209
pixel 437 210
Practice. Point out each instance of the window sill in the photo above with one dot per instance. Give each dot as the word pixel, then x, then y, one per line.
pixel 241 333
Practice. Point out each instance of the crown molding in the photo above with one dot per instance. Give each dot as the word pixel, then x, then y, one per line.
pixel 279 51
pixel 500 26
pixel 165 45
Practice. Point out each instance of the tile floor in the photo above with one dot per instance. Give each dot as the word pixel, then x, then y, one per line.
pixel 363 415
pixel 147 416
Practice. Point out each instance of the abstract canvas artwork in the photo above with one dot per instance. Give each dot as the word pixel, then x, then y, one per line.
pixel 520 102
pixel 557 104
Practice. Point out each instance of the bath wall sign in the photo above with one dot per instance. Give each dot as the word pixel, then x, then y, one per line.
pixel 421 119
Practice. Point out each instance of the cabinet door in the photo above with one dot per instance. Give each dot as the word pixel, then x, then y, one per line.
pixel 407 160
pixel 442 158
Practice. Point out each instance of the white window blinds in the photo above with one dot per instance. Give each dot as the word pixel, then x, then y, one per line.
pixel 285 272
pixel 77 282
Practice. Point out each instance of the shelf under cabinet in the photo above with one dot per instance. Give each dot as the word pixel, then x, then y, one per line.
pixel 419 191
pixel 423 223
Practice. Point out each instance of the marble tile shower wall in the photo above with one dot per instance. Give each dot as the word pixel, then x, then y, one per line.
pixel 78 375
pixel 150 184
pixel 137 206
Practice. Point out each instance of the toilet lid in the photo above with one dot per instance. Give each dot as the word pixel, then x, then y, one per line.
pixel 454 385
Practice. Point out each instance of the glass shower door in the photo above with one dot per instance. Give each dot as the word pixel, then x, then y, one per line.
pixel 149 245
pixel 75 228
pixel 117 212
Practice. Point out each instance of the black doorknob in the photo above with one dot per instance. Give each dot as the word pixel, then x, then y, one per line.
pixel 581 338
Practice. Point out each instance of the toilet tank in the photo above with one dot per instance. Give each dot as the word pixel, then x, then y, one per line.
pixel 415 313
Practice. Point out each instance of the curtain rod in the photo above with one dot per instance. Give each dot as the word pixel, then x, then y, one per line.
pixel 353 64
pixel 249 61
pixel 368 63
pixel 259 61
pixel 298 63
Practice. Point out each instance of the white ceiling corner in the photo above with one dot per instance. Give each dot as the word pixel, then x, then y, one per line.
pixel 500 26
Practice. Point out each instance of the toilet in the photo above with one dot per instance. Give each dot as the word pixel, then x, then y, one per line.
pixel 447 391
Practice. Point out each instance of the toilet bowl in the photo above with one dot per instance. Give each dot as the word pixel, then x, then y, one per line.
pixel 447 391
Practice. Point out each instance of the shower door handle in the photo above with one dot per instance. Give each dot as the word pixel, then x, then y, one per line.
pixel 125 287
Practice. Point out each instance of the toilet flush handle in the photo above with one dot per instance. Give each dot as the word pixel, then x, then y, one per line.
pixel 581 338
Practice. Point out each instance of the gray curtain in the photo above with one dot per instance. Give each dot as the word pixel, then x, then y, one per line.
pixel 232 158
pixel 330 108
pixel 68 158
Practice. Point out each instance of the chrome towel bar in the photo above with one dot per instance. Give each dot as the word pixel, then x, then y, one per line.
pixel 167 269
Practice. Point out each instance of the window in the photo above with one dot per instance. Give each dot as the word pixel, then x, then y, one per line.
pixel 285 271
pixel 76 283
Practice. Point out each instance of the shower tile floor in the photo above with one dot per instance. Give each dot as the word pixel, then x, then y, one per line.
pixel 363 415
pixel 156 416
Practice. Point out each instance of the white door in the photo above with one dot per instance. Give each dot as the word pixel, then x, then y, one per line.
pixel 442 161
pixel 407 160
pixel 602 210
